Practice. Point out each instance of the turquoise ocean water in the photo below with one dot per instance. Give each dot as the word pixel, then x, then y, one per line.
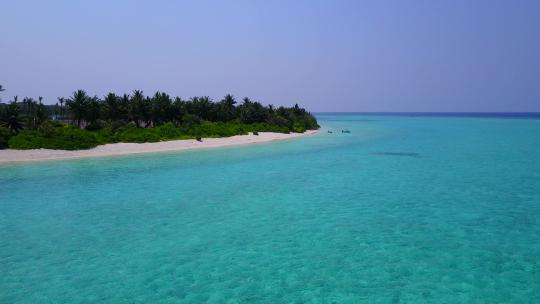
pixel 401 210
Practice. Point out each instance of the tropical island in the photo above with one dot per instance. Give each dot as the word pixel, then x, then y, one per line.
pixel 83 122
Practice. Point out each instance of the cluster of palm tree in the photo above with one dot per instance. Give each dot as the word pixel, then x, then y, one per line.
pixel 27 114
pixel 149 111
pixel 83 110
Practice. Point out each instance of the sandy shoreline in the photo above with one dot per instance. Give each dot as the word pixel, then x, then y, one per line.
pixel 12 156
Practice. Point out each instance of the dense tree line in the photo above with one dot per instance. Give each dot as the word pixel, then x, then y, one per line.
pixel 30 124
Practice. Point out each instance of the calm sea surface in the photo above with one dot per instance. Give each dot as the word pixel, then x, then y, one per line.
pixel 404 209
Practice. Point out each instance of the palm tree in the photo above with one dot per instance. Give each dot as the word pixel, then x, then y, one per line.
pixel 202 107
pixel 139 108
pixel 253 112
pixel 77 105
pixel 93 109
pixel 41 113
pixel 111 107
pixel 62 101
pixel 124 107
pixel 147 111
pixel 226 109
pixel 161 108
pixel 179 109
pixel 28 112
pixel 56 111
pixel 11 118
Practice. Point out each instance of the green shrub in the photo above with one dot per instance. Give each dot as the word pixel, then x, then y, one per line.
pixel 5 135
pixel 169 131
pixel 280 122
pixel 27 139
pixel 299 128
pixel 190 120
pixel 97 125
pixel 65 138
pixel 106 135
pixel 48 129
pixel 54 135
pixel 138 135
pixel 55 123
pixel 117 124
pixel 71 138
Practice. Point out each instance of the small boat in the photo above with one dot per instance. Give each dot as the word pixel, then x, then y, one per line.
pixel 345 131
pixel 330 132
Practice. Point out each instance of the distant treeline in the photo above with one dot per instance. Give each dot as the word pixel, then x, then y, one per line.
pixel 83 121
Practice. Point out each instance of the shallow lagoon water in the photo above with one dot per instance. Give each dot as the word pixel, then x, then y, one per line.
pixel 401 210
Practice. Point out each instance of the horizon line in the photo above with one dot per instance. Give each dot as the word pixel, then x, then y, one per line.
pixel 426 112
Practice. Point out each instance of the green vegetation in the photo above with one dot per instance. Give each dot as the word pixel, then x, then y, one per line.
pixel 83 122
pixel 5 135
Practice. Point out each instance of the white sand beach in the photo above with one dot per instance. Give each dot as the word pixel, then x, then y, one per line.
pixel 10 156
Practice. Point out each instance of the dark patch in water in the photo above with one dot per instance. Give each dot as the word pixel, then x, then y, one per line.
pixel 409 154
pixel 350 120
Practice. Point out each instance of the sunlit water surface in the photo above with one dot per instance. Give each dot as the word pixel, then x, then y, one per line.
pixel 401 210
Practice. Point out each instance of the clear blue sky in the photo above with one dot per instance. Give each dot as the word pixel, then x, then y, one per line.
pixel 481 55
